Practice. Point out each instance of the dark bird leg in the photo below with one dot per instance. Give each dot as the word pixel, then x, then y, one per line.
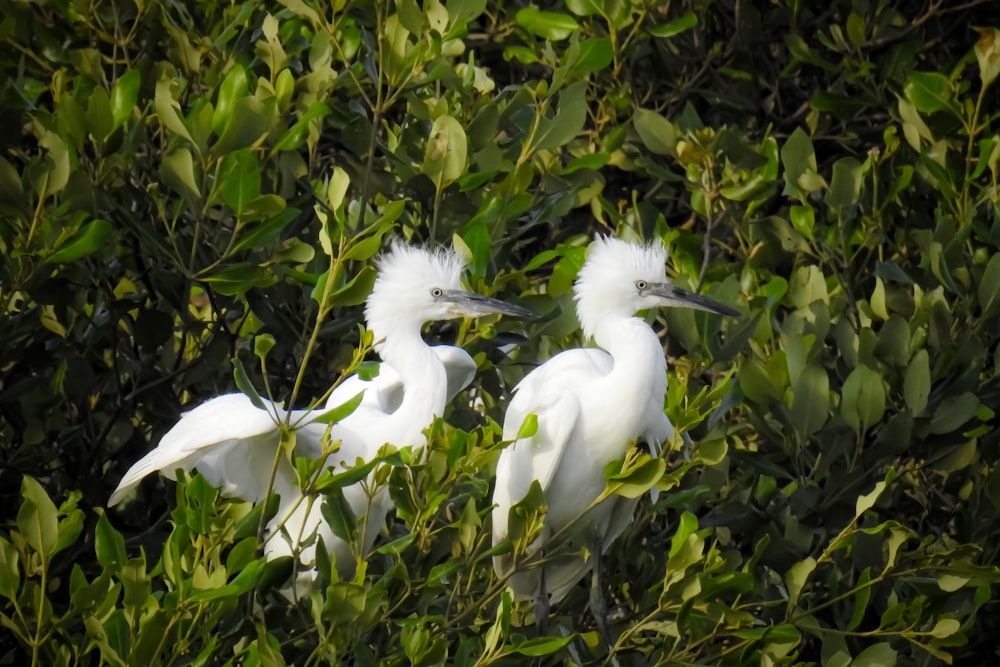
pixel 598 605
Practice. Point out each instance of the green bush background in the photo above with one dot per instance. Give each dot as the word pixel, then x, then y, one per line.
pixel 185 183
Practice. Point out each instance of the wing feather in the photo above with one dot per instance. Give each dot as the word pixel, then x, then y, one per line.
pixel 200 439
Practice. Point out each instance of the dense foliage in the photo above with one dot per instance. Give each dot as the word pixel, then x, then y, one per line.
pixel 190 183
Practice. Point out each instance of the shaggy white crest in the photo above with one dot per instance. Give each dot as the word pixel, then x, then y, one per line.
pixel 403 289
pixel 606 283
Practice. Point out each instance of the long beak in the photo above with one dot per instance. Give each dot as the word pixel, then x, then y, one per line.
pixel 470 304
pixel 676 296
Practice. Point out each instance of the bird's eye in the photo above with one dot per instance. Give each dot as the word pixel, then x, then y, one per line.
pixel 641 285
pixel 436 292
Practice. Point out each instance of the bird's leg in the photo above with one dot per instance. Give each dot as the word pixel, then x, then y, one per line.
pixel 542 605
pixel 598 605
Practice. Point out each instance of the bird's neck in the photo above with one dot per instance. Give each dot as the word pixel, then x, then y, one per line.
pixel 422 374
pixel 637 354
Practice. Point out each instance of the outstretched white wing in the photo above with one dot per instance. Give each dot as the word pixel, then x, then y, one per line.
pixel 213 438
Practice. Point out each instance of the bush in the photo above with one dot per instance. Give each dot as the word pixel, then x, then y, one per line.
pixel 200 182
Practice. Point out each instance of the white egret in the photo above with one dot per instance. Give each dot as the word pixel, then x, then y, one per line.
pixel 232 443
pixel 590 404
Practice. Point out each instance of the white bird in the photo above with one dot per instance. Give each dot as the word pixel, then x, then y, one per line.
pixel 591 404
pixel 232 443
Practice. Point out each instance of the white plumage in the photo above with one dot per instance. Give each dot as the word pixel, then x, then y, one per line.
pixel 591 405
pixel 233 443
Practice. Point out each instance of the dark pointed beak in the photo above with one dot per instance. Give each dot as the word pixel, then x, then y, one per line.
pixel 678 297
pixel 470 304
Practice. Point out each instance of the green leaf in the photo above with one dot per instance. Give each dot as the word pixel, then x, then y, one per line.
pixel 357 290
pixel 656 132
pixel 539 646
pixel 251 120
pixel 799 160
pixel 84 242
pixel 109 544
pixel 337 189
pixel 177 171
pixel 867 501
pixel 861 599
pixel 338 514
pixel 989 288
pixel 10 571
pixel 953 412
pixel 685 22
pixel 244 384
pixel 167 110
pixel 558 131
pixel 946 627
pixel 845 186
pixel 917 383
pixel 529 427
pixel 124 96
pixel 988 54
pixel 930 92
pixel 446 153
pixel 266 233
pixel 876 655
pixel 239 179
pixel 810 401
pixel 477 239
pixel 37 518
pixel 863 398
pixel 638 479
pixel 595 55
pixel 341 411
pixel 796 577
pixel 550 25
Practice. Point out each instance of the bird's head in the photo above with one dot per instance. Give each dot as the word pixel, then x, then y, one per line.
pixel 622 278
pixel 417 285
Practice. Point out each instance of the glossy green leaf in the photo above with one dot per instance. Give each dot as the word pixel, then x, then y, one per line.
pixel 341 411
pixel 550 25
pixel 85 241
pixel 988 54
pixel 124 96
pixel 929 92
pixel 989 288
pixel 36 518
pixel 845 186
pixel 528 428
pixel 357 289
pixel 861 599
pixel 251 119
pixel 681 24
pixel 446 153
pixel 638 479
pixel 811 401
pixel 656 132
pixel 569 119
pixel 168 110
pixel 796 578
pixel 10 571
pixel 539 646
pixel 109 544
pixel 178 172
pixel 595 55
pixel 953 412
pixel 244 384
pixel 239 179
pixel 876 655
pixel 863 398
pixel 338 514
